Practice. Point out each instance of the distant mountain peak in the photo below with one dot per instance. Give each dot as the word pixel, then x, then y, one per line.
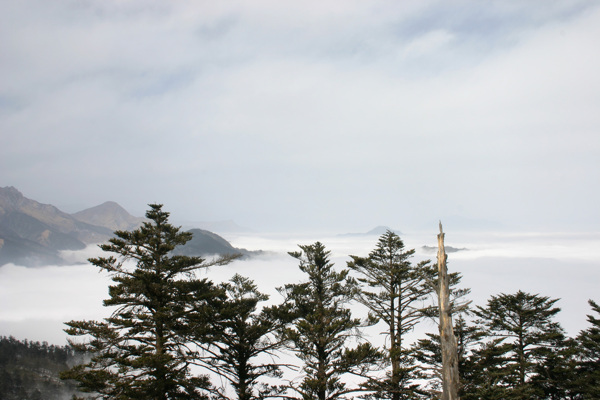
pixel 10 189
pixel 10 198
pixel 109 215
pixel 110 204
pixel 379 230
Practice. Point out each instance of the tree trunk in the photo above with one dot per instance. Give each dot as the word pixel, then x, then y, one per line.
pixel 447 339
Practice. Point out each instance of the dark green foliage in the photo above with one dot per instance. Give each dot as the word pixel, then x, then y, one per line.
pixel 322 326
pixel 141 350
pixel 428 354
pixel 394 291
pixel 555 375
pixel 241 334
pixel 588 346
pixel 483 378
pixel 29 370
pixel 523 338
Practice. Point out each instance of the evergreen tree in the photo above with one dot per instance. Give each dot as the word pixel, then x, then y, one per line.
pixel 240 335
pixel 394 291
pixel 522 329
pixel 588 365
pixel 428 354
pixel 485 372
pixel 555 376
pixel 141 351
pixel 322 325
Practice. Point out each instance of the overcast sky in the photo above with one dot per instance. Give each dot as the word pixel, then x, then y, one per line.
pixel 328 114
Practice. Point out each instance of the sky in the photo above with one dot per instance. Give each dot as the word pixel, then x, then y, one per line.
pixel 314 115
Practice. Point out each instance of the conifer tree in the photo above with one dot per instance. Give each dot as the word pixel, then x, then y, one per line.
pixel 555 376
pixel 428 353
pixel 244 341
pixel 322 326
pixel 141 351
pixel 521 326
pixel 484 376
pixel 588 365
pixel 394 291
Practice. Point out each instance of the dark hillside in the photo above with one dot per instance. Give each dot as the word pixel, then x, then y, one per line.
pixel 205 243
pixel 30 370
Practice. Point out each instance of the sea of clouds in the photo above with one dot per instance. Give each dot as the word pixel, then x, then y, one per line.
pixel 35 302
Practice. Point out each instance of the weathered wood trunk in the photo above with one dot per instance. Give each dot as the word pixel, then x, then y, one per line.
pixel 447 339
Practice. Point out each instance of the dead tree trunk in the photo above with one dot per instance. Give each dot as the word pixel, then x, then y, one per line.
pixel 447 338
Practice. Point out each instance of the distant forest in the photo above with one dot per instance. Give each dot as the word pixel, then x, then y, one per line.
pixel 30 370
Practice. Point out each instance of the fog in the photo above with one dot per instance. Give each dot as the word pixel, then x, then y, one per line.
pixel 35 302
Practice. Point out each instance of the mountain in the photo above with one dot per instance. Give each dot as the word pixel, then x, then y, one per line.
pixel 34 234
pixel 42 222
pixel 206 243
pixel 109 215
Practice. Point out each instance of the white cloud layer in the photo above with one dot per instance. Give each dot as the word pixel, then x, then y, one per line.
pixel 35 302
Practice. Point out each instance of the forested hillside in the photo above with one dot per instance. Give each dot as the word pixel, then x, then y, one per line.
pixel 30 370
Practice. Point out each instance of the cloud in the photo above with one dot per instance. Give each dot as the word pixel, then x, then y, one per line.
pixel 35 302
pixel 307 115
pixel 51 292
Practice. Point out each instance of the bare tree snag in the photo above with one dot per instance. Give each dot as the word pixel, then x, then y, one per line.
pixel 447 338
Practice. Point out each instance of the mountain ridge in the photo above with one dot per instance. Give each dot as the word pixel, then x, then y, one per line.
pixel 34 234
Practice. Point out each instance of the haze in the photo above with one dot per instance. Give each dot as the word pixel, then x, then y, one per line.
pixel 328 114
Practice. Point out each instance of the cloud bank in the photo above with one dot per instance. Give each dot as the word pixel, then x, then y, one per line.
pixel 35 302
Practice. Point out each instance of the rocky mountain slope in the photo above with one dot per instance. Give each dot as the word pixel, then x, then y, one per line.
pixel 109 215
pixel 34 234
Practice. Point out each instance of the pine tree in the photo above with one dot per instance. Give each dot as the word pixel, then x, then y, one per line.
pixel 243 340
pixel 555 376
pixel 522 327
pixel 428 353
pixel 322 326
pixel 588 365
pixel 394 291
pixel 141 351
pixel 485 371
